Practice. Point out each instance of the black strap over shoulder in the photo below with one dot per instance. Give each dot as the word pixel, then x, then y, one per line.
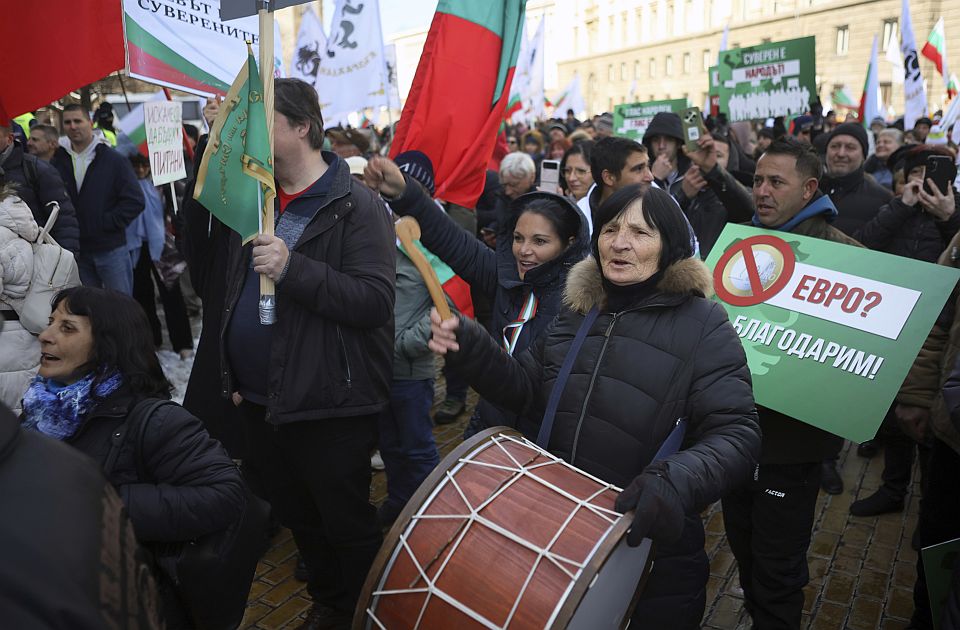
pixel 137 421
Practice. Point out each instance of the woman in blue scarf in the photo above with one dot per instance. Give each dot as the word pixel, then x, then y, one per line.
pixel 97 362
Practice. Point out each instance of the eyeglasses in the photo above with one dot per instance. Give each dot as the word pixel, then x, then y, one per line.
pixel 580 172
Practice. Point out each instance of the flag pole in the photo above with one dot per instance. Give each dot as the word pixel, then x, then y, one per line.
pixel 268 291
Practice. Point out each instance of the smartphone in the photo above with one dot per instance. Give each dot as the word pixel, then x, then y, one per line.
pixel 550 176
pixel 693 128
pixel 941 170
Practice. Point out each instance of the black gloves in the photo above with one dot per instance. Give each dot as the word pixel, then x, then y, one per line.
pixel 658 513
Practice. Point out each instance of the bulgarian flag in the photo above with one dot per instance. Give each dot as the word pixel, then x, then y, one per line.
pixel 936 51
pixel 459 94
pixel 871 103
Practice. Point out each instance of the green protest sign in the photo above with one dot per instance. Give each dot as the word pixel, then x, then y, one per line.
pixel 775 79
pixel 830 331
pixel 938 563
pixel 631 120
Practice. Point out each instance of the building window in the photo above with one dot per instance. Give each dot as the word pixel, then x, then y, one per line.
pixel 610 75
pixel 707 60
pixel 765 40
pixel 843 40
pixel 890 34
pixel 668 66
pixel 652 68
pixel 886 93
pixel 623 29
pixel 687 63
pixel 636 69
pixel 623 71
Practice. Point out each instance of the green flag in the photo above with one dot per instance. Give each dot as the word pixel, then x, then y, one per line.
pixel 235 179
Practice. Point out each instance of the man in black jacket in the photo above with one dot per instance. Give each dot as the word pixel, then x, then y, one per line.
pixel 857 198
pixel 311 386
pixel 769 520
pixel 615 162
pixel 38 184
pixel 106 196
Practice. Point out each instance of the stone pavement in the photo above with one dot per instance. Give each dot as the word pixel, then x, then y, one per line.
pixel 861 569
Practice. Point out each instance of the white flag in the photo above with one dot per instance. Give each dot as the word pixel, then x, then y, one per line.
pixel 872 99
pixel 310 48
pixel 723 39
pixel 393 86
pixel 571 98
pixel 351 74
pixel 915 94
pixel 534 98
pixel 895 60
pixel 521 79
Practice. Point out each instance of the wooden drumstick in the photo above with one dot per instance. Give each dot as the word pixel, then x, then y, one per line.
pixel 408 230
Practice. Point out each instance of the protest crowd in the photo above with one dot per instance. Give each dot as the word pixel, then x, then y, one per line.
pixel 579 301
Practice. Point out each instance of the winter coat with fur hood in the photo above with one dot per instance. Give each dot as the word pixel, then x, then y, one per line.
pixel 673 354
pixel 19 350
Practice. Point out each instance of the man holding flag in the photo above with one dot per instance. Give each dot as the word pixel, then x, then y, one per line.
pixel 310 387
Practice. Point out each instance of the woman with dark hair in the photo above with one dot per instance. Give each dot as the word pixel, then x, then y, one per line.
pixel 540 236
pixel 655 351
pixel 97 363
pixel 575 175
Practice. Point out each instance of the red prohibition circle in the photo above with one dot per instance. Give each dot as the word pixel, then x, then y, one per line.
pixel 759 293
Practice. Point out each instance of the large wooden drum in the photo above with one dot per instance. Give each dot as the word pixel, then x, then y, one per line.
pixel 505 535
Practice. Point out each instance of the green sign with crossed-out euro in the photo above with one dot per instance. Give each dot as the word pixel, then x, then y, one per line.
pixel 830 330
pixel 768 80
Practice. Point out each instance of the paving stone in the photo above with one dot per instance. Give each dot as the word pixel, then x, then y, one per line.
pixel 880 557
pixel 824 544
pixel 865 614
pixel 829 616
pixel 839 588
pixel 284 614
pixel 900 603
pixel 723 563
pixel 282 591
pixel 872 584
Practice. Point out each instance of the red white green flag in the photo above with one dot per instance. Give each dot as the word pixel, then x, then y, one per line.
pixel 460 91
pixel 936 51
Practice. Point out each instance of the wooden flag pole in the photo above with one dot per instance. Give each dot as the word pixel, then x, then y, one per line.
pixel 268 290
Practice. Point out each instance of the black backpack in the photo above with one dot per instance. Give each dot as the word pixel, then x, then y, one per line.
pixel 212 574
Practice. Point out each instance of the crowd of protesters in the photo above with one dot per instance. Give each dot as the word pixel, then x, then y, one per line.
pixel 344 381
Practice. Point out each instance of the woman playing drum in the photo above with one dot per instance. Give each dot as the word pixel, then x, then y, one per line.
pixel 656 352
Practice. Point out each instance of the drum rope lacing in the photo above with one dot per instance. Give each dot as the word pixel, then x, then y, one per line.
pixel 520 471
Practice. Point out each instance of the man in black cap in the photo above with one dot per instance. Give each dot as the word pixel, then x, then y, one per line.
pixel 857 198
pixel 921 128
pixel 663 139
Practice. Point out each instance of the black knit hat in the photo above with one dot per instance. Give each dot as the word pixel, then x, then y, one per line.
pixel 855 130
pixel 417 165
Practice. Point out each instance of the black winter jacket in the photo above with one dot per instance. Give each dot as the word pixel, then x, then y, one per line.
pixel 908 231
pixel 331 354
pixel 108 201
pixel 70 561
pixel 194 488
pixel 38 183
pixel 494 274
pixel 725 201
pixel 857 198
pixel 672 355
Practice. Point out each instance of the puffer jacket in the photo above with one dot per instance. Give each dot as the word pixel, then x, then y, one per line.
pixel 494 274
pixel 194 488
pixel 412 359
pixel 673 354
pixel 908 231
pixel 19 350
pixel 857 198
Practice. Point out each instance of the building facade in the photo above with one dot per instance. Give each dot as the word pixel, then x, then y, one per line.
pixel 639 50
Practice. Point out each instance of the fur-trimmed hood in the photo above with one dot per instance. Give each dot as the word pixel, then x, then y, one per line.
pixel 584 288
